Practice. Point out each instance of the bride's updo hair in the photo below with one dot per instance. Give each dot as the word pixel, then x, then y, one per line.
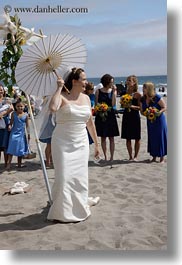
pixel 73 75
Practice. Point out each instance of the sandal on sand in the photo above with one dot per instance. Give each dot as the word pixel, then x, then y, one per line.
pixel 93 201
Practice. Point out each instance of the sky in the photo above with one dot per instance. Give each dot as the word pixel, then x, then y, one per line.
pixel 122 37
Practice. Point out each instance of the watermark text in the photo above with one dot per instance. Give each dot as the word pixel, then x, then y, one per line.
pixel 47 9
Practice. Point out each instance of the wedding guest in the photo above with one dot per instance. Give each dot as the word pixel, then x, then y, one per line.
pixel 6 108
pixel 18 142
pixel 108 126
pixel 89 90
pixel 70 149
pixel 47 126
pixel 131 124
pixel 16 98
pixel 156 128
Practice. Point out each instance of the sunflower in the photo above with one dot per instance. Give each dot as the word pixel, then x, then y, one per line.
pixel 102 109
pixel 126 101
pixel 151 116
pixel 145 112
pixel 151 113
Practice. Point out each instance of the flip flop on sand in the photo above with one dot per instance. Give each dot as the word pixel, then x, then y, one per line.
pixel 93 201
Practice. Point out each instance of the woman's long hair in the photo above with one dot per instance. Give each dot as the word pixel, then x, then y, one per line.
pixel 150 90
pixel 135 79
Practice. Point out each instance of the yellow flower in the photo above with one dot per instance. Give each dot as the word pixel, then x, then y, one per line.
pixel 102 109
pixel 22 42
pixel 145 112
pixel 151 116
pixel 126 101
pixel 151 113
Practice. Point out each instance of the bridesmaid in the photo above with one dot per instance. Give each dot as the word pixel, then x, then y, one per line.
pixel 108 127
pixel 131 124
pixel 157 130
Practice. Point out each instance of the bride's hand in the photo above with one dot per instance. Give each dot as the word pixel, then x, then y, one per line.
pixel 60 82
pixel 97 152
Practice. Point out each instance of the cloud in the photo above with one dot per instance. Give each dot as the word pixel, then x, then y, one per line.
pixel 119 36
pixel 121 61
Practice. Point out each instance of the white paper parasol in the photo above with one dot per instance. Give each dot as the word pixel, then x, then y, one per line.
pixel 36 69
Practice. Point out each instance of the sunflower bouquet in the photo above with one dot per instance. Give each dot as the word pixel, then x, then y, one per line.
pixel 102 109
pixel 151 113
pixel 126 101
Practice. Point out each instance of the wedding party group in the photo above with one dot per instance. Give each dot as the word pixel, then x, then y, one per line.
pixel 76 116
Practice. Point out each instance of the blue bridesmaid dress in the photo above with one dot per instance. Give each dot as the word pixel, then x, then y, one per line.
pixel 157 131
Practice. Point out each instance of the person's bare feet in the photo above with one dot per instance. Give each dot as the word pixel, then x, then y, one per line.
pixel 153 160
pixel 21 166
pixel 8 166
pixel 162 160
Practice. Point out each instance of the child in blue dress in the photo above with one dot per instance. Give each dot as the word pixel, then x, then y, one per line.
pixel 18 144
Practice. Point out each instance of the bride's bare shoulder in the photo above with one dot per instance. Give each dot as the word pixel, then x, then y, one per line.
pixel 85 98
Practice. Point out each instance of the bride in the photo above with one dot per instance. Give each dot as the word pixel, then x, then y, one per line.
pixel 70 149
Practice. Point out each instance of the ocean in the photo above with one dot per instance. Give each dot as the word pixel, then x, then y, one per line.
pixel 158 80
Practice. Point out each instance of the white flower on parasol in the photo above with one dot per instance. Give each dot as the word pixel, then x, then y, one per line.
pixel 36 69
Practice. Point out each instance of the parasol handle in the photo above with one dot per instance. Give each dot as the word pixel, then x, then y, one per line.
pixel 40 151
pixel 63 85
pixel 54 71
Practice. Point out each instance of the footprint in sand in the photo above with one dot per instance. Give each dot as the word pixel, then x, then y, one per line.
pixel 135 218
pixel 134 180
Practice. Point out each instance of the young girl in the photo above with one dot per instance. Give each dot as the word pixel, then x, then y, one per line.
pixel 18 145
pixel 131 125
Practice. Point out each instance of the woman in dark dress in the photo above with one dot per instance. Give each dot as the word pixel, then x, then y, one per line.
pixel 131 125
pixel 157 129
pixel 108 127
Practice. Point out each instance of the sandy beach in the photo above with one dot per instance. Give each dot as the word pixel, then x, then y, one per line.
pixel 131 214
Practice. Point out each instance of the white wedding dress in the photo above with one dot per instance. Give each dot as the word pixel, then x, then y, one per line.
pixel 70 153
